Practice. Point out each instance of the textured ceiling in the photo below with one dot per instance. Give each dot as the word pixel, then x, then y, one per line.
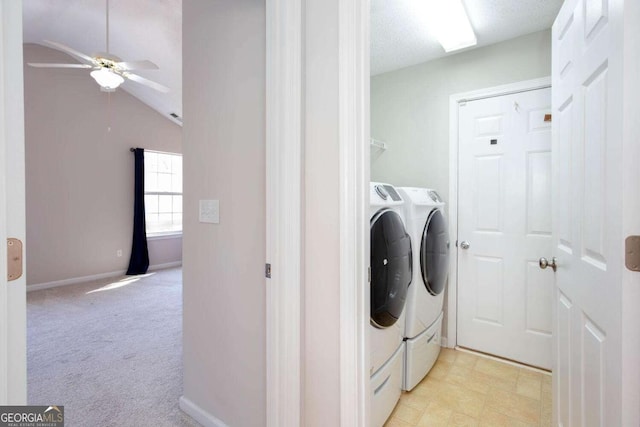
pixel 400 36
pixel 139 29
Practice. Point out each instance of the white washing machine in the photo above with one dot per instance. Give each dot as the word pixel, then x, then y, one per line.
pixel 391 273
pixel 424 212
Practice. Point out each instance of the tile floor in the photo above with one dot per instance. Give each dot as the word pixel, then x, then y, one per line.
pixel 467 390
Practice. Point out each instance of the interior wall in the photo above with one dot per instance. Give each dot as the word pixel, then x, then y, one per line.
pixel 79 171
pixel 410 107
pixel 224 159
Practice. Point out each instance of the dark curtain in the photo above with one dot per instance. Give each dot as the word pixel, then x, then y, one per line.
pixel 139 262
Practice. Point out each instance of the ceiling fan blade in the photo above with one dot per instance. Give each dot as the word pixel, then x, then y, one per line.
pixel 136 65
pixel 44 65
pixel 78 55
pixel 136 78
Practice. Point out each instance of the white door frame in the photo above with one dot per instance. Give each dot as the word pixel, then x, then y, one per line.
pixel 4 317
pixel 454 102
pixel 13 377
pixel 354 135
pixel 285 146
pixel 284 211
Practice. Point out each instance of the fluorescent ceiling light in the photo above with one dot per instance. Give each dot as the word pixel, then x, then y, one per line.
pixel 107 79
pixel 450 23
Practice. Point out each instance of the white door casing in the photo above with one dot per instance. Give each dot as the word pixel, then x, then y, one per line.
pixel 12 205
pixel 287 48
pixel 4 316
pixel 504 215
pixel 283 211
pixel 588 43
pixel 353 140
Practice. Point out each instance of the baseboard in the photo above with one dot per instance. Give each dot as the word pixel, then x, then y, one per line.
pixel 84 279
pixel 74 280
pixel 443 342
pixel 165 265
pixel 199 414
pixel 505 361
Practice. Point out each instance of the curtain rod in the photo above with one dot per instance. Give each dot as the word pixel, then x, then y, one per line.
pixel 132 149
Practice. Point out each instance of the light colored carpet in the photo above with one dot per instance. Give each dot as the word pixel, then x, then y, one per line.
pixel 110 351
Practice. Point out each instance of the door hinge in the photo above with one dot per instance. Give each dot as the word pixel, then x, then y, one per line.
pixel 14 259
pixel 369 275
pixel 267 271
pixel 632 253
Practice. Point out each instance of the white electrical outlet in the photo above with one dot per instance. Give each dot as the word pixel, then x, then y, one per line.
pixel 210 211
pixel 119 253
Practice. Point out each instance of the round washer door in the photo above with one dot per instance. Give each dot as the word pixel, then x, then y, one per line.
pixel 434 253
pixel 391 268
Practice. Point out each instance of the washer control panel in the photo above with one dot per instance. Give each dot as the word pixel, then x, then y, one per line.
pixel 435 196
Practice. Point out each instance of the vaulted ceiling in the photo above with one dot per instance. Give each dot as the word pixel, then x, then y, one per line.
pixel 139 29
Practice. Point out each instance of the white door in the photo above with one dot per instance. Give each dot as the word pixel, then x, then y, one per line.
pixel 588 242
pixel 504 226
pixel 12 213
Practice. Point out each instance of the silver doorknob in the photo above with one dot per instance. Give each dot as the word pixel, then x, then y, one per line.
pixel 465 245
pixel 544 263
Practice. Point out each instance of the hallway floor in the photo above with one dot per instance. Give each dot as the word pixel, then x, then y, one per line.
pixel 463 389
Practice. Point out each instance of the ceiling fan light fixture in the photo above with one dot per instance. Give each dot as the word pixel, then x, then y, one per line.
pixel 451 24
pixel 107 79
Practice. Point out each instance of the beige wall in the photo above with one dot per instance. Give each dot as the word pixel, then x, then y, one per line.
pixel 79 171
pixel 224 159
pixel 410 107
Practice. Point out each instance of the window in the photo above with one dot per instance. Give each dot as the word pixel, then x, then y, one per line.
pixel 163 192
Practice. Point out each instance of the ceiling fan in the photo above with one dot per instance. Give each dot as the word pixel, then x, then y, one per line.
pixel 109 71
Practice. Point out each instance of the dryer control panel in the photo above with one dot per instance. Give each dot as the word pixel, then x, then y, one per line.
pixel 435 196
pixel 393 193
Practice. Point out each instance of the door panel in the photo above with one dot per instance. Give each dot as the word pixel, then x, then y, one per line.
pixel 539 193
pixel 489 192
pixel 588 205
pixel 504 302
pixel 489 290
pixel 563 363
pixel 564 205
pixel 539 291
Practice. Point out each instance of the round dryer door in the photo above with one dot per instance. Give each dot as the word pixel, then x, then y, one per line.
pixel 391 268
pixel 434 253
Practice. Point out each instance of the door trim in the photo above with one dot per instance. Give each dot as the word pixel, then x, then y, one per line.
pixel 284 148
pixel 451 340
pixel 285 145
pixel 4 318
pixel 13 359
pixel 353 143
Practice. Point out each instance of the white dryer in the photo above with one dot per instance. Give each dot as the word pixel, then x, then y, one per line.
pixel 391 273
pixel 424 210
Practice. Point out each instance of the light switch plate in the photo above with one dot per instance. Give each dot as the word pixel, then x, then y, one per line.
pixel 210 211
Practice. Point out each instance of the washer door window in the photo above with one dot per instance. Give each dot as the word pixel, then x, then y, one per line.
pixel 434 253
pixel 391 268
